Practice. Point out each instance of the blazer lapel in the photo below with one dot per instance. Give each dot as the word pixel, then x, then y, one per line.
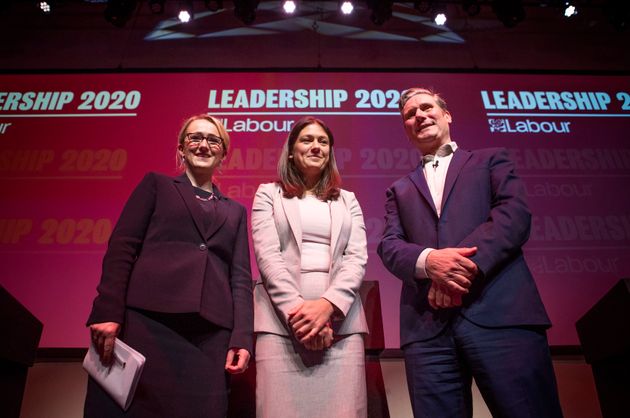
pixel 292 213
pixel 455 167
pixel 417 177
pixel 183 186
pixel 220 214
pixel 337 211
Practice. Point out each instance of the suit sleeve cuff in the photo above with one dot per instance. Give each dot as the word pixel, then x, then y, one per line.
pixel 421 264
pixel 338 314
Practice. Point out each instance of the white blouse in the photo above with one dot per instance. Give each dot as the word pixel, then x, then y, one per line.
pixel 316 224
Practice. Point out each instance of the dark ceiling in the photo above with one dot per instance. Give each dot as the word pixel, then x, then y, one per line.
pixel 75 36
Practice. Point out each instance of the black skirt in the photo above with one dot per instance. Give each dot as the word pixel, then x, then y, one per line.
pixel 184 374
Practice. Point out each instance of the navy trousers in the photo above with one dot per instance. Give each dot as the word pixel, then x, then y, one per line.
pixel 511 367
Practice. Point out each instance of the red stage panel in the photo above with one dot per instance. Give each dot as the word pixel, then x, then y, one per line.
pixel 73 146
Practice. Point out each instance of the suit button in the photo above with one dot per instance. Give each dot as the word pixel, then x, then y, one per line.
pixel 203 247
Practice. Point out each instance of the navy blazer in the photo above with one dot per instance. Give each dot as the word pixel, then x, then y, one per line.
pixel 161 257
pixel 483 206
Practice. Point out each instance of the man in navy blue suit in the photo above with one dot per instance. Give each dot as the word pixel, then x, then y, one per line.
pixel 469 307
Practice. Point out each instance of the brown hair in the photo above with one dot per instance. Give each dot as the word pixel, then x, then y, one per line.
pixel 225 138
pixel 291 179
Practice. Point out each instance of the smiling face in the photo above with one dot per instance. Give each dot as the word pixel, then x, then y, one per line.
pixel 205 156
pixel 311 151
pixel 426 123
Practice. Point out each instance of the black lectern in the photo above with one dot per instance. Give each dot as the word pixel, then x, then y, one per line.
pixel 604 333
pixel 20 332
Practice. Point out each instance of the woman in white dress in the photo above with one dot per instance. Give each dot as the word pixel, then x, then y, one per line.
pixel 311 249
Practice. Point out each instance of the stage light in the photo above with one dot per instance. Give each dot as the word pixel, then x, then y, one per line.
pixel 509 12
pixel 570 10
pixel 381 10
pixel 156 6
pixel 184 16
pixel 118 12
pixel 472 7
pixel 440 19
pixel 44 6
pixel 289 6
pixel 439 13
pixel 186 11
pixel 214 5
pixel 245 10
pixel 346 7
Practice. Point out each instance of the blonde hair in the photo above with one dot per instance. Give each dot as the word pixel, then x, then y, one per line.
pixel 225 138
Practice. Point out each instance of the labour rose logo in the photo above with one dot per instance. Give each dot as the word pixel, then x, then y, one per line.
pixel 498 125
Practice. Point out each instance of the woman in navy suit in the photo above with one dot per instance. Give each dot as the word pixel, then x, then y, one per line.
pixel 176 286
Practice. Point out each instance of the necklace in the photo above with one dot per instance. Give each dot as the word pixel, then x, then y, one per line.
pixel 206 199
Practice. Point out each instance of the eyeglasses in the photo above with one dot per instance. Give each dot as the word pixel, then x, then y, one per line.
pixel 195 139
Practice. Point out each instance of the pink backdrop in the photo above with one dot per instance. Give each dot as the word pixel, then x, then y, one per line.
pixel 72 147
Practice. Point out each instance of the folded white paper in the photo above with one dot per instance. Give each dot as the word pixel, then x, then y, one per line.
pixel 121 378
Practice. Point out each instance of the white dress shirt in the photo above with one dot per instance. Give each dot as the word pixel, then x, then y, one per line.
pixel 435 175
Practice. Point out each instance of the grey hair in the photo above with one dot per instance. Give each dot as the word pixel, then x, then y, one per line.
pixel 413 91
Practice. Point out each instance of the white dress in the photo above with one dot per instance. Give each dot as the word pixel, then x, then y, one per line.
pixel 298 383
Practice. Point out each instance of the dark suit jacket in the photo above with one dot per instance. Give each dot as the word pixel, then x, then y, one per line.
pixel 162 257
pixel 484 206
